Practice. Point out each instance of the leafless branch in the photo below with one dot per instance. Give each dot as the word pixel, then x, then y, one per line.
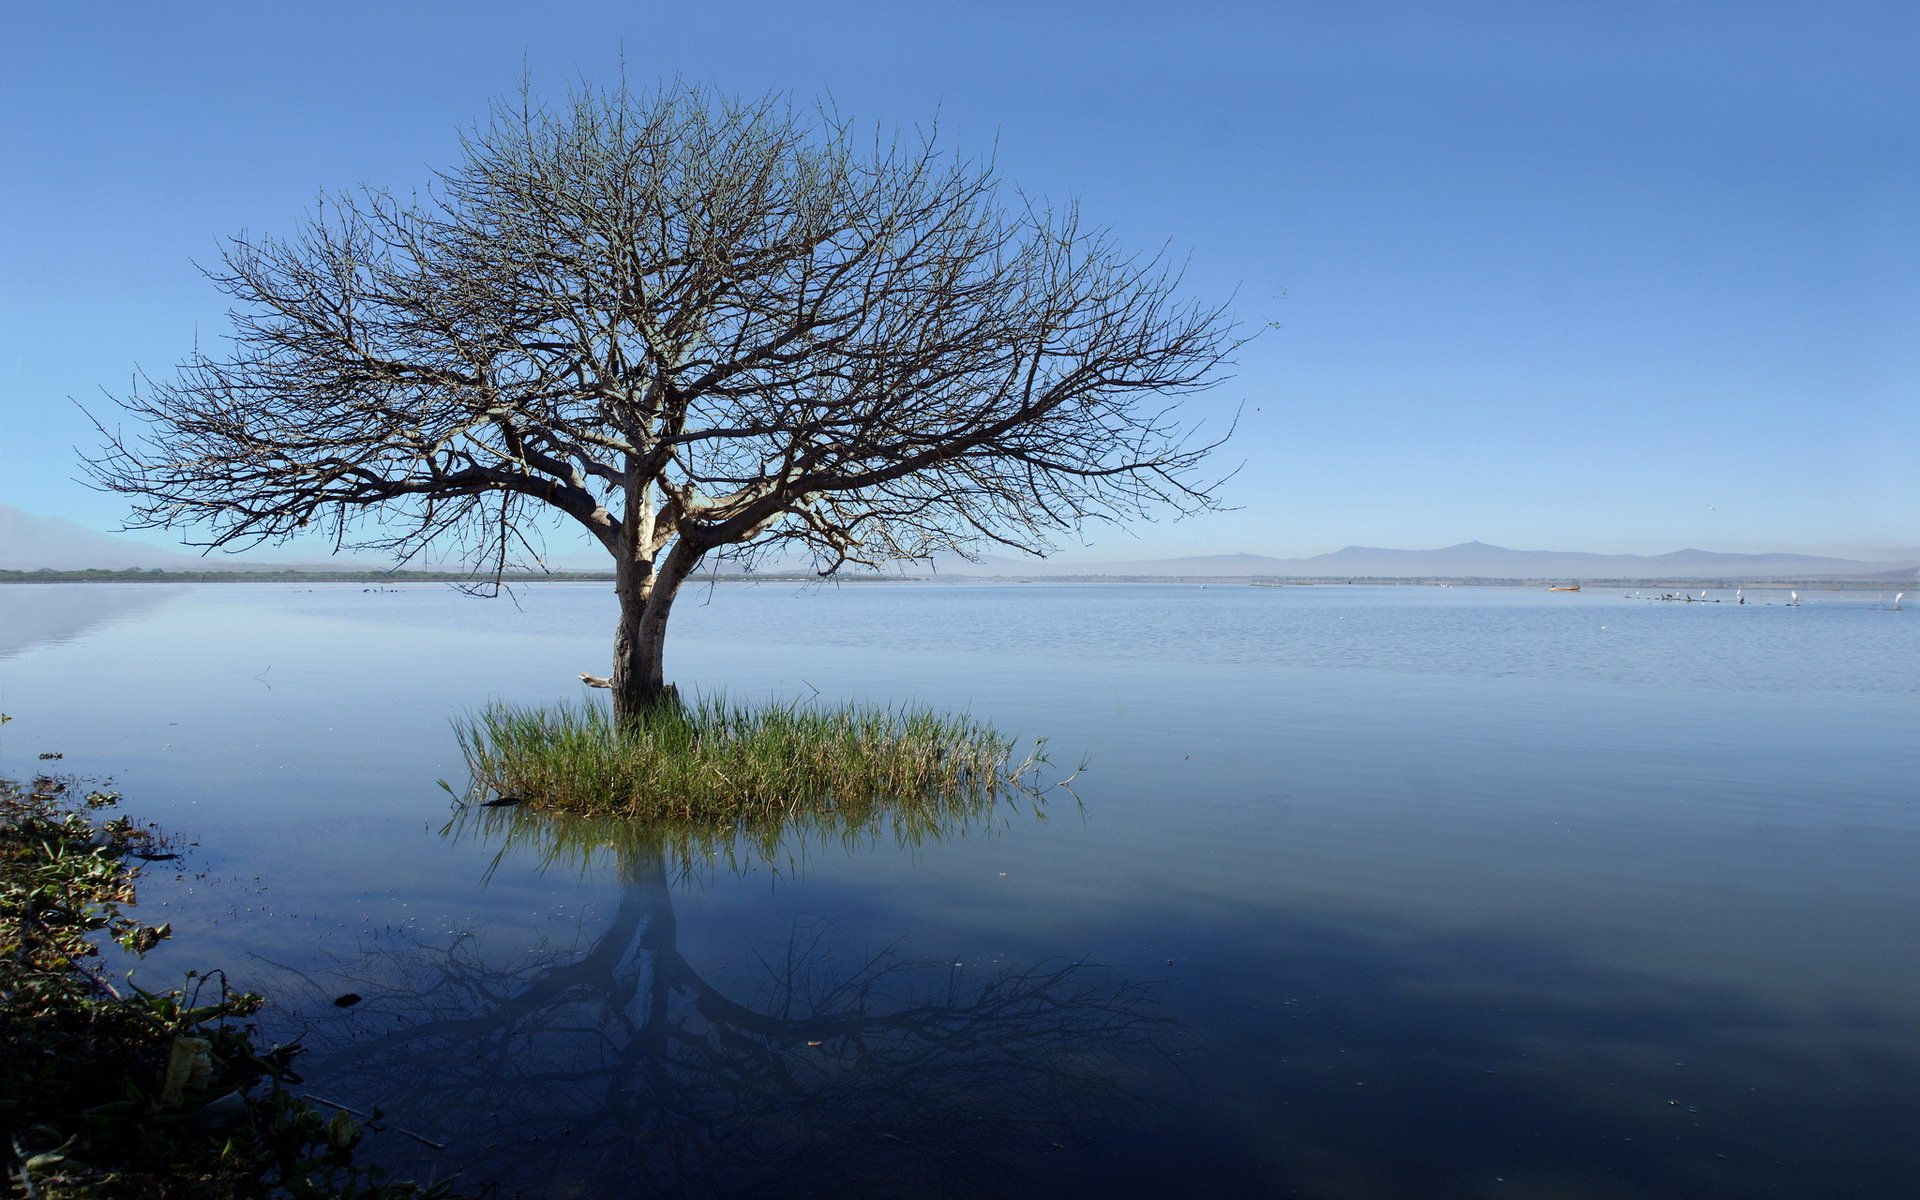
pixel 681 321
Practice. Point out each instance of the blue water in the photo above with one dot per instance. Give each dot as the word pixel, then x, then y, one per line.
pixel 1362 891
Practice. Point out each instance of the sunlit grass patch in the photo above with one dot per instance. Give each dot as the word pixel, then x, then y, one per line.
pixel 711 760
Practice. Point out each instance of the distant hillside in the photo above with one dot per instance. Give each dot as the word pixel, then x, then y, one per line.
pixel 29 543
pixel 1469 560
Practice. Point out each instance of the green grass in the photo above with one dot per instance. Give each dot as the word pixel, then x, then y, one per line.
pixel 711 762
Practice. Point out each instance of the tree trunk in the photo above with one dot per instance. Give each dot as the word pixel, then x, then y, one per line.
pixel 640 640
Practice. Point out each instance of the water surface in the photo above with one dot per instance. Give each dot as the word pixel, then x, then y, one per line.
pixel 1367 891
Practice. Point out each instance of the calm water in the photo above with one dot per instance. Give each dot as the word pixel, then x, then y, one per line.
pixel 1366 892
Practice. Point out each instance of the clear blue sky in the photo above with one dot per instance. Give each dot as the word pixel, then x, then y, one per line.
pixel 1610 276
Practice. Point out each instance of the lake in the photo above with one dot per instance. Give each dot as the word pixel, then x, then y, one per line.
pixel 1362 891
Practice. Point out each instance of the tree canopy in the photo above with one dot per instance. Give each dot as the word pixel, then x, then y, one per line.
pixel 689 323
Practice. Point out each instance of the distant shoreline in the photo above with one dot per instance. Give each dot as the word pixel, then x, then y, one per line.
pixel 159 575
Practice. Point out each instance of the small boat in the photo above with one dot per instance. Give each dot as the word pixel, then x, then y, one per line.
pixel 1560 587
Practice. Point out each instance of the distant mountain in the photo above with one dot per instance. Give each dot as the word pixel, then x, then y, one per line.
pixel 29 543
pixel 1468 560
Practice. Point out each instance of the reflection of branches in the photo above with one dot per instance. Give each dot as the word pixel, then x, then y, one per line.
pixel 619 1068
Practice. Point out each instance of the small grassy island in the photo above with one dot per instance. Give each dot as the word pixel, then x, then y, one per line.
pixel 713 762
pixel 108 1090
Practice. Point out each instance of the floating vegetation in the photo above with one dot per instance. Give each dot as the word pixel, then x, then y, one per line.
pixel 109 1090
pixel 715 764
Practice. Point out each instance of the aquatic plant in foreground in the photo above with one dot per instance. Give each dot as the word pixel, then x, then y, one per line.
pixel 109 1090
pixel 711 760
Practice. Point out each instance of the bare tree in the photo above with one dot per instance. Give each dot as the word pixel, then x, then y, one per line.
pixel 691 324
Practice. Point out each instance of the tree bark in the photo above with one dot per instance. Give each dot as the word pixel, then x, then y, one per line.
pixel 640 640
pixel 638 679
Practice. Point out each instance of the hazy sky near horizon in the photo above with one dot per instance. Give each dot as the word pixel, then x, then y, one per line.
pixel 1617 276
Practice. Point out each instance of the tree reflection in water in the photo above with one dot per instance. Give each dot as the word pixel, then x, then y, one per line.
pixel 619 1069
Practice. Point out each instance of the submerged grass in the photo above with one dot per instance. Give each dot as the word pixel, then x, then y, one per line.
pixel 715 761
